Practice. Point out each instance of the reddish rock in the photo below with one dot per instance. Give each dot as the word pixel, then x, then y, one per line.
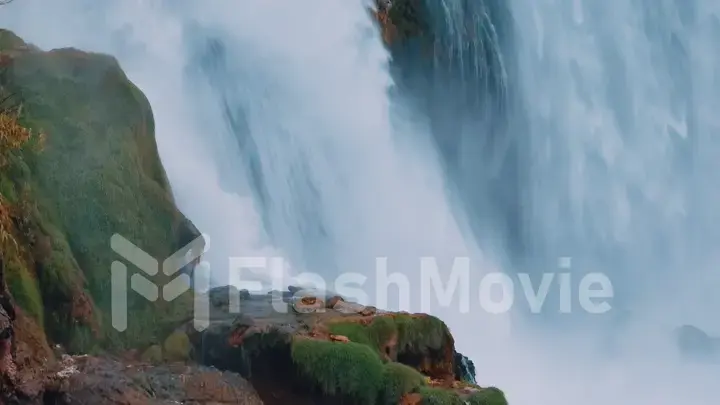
pixel 339 338
pixel 411 399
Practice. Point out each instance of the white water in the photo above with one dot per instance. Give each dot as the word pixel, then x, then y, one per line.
pixel 622 143
pixel 313 81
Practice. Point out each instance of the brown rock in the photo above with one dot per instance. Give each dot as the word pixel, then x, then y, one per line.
pixel 332 301
pixel 339 338
pixel 368 311
pixel 411 399
pixel 99 381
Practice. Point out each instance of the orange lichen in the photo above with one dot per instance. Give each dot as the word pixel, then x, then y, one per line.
pixel 14 136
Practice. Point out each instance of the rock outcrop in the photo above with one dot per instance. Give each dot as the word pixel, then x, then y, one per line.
pixel 98 174
pixel 79 164
pixel 333 355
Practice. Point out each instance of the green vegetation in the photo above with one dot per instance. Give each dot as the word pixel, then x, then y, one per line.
pixel 439 396
pixel 399 380
pixel 99 174
pixel 417 334
pixel 25 290
pixel 376 334
pixel 421 333
pixel 349 370
pixel 488 396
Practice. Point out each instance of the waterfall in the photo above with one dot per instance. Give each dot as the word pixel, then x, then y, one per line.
pixel 558 129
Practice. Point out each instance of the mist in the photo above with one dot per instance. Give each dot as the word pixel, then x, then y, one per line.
pixel 288 145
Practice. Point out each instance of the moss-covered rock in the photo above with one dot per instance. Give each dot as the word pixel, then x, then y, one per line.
pixel 347 370
pixel 25 289
pixel 99 174
pixel 488 396
pixel 332 355
pixel 398 381
pixel 421 341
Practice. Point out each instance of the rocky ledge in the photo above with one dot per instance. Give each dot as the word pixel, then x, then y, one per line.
pixel 293 347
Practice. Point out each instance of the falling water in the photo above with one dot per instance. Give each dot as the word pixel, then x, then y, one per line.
pixel 279 137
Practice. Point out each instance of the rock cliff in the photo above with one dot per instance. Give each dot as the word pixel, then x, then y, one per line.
pixel 79 164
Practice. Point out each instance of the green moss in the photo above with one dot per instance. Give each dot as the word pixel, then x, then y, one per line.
pixel 416 334
pixel 7 189
pixel 24 289
pixel 354 331
pixel 399 380
pixel 421 333
pixel 349 370
pixel 488 396
pixel 439 396
pixel 375 335
pixel 98 175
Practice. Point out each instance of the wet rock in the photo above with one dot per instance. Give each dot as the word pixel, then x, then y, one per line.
pixel 368 311
pixel 307 304
pixel 104 381
pixel 294 289
pixel 333 300
pixel 696 344
pixel 349 307
pixel 220 296
pixel 464 369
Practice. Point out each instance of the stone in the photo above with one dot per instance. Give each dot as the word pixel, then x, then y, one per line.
pixel 339 338
pixel 332 301
pixel 348 307
pixel 368 311
pixel 306 305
